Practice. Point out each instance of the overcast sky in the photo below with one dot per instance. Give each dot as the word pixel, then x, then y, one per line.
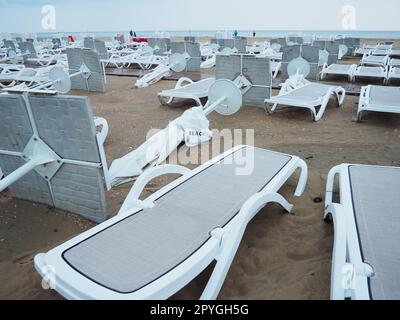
pixel 120 15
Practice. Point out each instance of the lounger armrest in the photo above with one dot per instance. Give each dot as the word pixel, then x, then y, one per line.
pixel 181 81
pixel 132 199
pixel 101 122
pixel 230 240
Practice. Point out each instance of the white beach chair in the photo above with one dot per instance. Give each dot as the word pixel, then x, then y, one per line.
pixel 306 95
pixel 394 62
pixel 379 99
pixel 362 51
pixel 10 68
pixel 371 72
pixel 371 60
pixel 394 73
pixel 338 70
pixel 28 76
pixel 191 90
pixel 153 248
pixel 365 262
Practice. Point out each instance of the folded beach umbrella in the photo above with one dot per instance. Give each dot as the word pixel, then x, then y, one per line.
pixel 157 148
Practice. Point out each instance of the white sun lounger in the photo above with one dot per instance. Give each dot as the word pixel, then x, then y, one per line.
pixel 338 70
pixel 379 99
pixel 371 72
pixel 371 60
pixel 310 96
pixel 394 62
pixel 26 75
pixel 192 90
pixel 154 247
pixel 366 254
pixel 394 73
pixel 362 51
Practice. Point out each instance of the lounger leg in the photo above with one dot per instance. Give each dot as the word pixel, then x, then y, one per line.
pixel 230 241
pixel 329 190
pixel 363 95
pixel 301 185
pixel 359 116
pixel 163 102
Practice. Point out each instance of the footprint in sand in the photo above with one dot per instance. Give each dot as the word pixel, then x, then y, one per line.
pixel 24 259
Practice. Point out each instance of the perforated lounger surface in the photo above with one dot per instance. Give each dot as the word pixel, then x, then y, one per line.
pixel 199 88
pixel 142 247
pixel 376 201
pixel 308 93
pixel 385 96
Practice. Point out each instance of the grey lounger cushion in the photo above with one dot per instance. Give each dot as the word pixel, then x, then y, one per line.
pixel 385 96
pixel 376 201
pixel 144 246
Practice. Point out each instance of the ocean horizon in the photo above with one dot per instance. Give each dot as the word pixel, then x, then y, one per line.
pixel 245 33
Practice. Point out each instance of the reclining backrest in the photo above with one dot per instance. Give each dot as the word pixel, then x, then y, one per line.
pixel 255 70
pixel 65 124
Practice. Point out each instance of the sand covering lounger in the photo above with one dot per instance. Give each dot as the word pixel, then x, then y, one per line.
pixel 379 99
pixel 191 90
pixel 154 247
pixel 309 95
pixel 366 254
pixel 338 69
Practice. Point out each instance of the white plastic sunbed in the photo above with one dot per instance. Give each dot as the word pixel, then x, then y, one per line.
pixel 310 96
pixel 371 60
pixel 154 247
pixel 379 99
pixel 394 73
pixel 371 72
pixel 366 253
pixel 192 90
pixel 339 70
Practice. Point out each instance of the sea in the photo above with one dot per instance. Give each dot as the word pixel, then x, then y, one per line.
pixel 392 35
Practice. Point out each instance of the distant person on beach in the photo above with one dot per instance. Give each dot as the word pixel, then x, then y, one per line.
pixel 235 34
pixel 254 34
pixel 131 33
pixel 134 34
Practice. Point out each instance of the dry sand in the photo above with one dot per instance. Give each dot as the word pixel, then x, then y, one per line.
pixel 280 257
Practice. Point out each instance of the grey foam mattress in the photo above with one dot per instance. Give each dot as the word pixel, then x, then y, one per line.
pixel 144 246
pixel 376 201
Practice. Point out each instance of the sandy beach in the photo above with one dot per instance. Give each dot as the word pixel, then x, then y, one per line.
pixel 282 256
